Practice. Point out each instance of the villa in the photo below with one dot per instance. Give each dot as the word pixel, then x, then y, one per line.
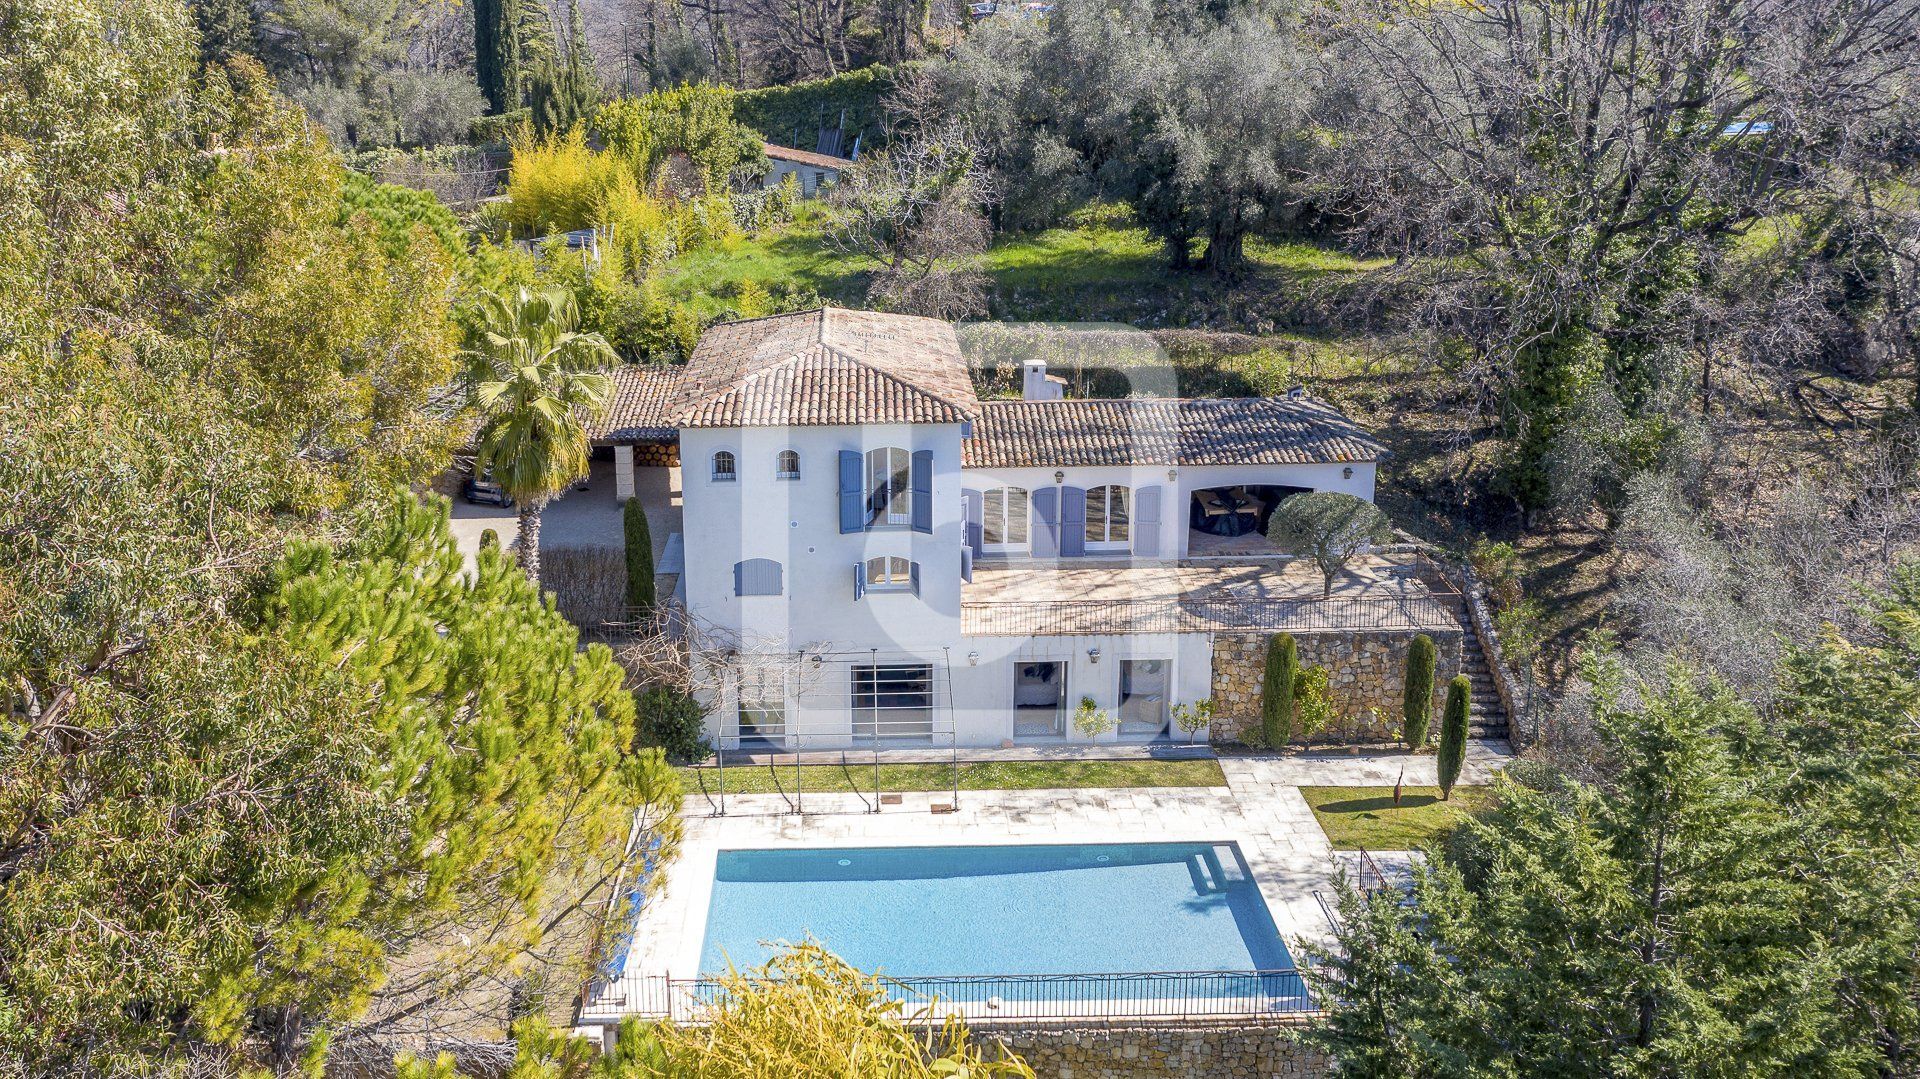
pixel 874 555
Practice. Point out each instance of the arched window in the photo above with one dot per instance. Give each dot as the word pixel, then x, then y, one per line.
pixel 723 467
pixel 786 466
pixel 887 574
pixel 889 486
pixel 1109 517
pixel 1003 518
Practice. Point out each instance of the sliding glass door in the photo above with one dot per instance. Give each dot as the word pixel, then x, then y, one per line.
pixel 1039 699
pixel 1143 697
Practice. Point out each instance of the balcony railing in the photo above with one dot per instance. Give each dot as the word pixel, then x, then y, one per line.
pixel 1160 995
pixel 1208 613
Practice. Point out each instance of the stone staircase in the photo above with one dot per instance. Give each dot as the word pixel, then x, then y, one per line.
pixel 1488 718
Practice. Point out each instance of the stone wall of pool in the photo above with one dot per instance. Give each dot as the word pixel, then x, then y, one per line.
pixel 1187 1051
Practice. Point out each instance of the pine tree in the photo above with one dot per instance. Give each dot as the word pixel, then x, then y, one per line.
pixel 1417 705
pixel 1453 733
pixel 639 557
pixel 1276 690
pixel 227 29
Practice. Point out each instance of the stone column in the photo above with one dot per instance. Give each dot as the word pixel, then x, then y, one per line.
pixel 623 472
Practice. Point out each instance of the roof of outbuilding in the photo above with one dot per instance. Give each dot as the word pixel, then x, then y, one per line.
pixel 825 367
pixel 1198 431
pixel 805 157
pixel 637 411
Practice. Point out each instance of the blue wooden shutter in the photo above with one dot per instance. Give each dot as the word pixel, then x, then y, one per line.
pixel 853 516
pixel 972 510
pixel 1073 522
pixel 757 577
pixel 913 576
pixel 1044 533
pixel 966 564
pixel 859 579
pixel 923 491
pixel 1146 522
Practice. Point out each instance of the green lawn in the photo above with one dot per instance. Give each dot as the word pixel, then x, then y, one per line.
pixel 1365 818
pixel 974 776
pixel 1099 266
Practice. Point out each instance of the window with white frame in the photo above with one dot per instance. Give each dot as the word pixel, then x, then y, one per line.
pixel 893 701
pixel 889 486
pixel 1003 519
pixel 762 706
pixel 786 465
pixel 723 470
pixel 1109 517
pixel 889 574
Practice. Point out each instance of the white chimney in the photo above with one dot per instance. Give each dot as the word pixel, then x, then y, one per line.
pixel 1036 386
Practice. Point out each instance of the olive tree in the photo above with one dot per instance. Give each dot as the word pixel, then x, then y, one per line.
pixel 1329 527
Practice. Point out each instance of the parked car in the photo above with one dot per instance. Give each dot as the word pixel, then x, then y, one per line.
pixel 481 490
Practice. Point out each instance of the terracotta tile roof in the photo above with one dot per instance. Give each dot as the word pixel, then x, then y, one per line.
pixel 805 157
pixel 1224 431
pixel 830 366
pixel 638 409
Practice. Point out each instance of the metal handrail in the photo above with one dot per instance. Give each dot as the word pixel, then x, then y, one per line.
pixel 1197 613
pixel 1132 995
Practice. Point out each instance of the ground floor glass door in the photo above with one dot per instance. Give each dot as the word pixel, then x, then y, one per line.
pixel 1039 699
pixel 1143 697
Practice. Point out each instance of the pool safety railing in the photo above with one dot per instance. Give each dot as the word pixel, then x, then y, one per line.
pixel 1150 996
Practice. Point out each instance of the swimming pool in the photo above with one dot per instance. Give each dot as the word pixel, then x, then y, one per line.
pixel 1081 909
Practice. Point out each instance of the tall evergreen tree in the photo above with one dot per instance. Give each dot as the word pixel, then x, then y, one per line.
pixel 1276 690
pixel 227 29
pixel 497 53
pixel 1453 733
pixel 639 556
pixel 1417 694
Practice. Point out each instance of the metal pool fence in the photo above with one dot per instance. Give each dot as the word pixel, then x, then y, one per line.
pixel 1162 995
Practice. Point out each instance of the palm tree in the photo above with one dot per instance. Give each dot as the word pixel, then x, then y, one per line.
pixel 536 381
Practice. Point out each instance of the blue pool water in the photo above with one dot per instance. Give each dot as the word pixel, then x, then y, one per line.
pixel 938 911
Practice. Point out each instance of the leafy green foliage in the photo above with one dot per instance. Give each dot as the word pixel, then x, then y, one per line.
pixel 698 121
pixel 1453 733
pixel 1329 527
pixel 672 719
pixel 1313 708
pixel 1417 700
pixel 1277 689
pixel 806 1014
pixel 639 543
pixel 396 212
pixel 1091 720
pixel 792 114
pixel 1712 894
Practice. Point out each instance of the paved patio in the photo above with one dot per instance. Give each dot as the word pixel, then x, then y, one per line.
pixel 589 518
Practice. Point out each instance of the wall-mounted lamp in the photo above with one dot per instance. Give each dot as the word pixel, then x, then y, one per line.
pixel 1059 477
pixel 816 661
pixel 1173 474
pixel 1093 655
pixel 973 659
pixel 1346 473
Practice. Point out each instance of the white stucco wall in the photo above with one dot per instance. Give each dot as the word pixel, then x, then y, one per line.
pixel 809 176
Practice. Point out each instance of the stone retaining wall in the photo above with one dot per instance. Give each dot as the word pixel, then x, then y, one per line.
pixel 1146 1052
pixel 1366 673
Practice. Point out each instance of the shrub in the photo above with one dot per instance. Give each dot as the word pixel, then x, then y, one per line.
pixel 639 556
pixel 1498 566
pixel 1453 733
pixel 1193 718
pixel 558 183
pixel 588 584
pixel 1418 703
pixel 1276 690
pixel 1313 710
pixel 671 719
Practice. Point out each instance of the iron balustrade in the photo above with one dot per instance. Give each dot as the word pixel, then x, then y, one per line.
pixel 1204 613
pixel 1155 995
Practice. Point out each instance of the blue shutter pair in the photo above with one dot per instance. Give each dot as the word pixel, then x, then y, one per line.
pixel 853 493
pixel 1059 522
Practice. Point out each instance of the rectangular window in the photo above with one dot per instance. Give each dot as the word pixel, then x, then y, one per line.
pixel 889 487
pixel 893 701
pixel 1004 518
pixel 1039 699
pixel 762 709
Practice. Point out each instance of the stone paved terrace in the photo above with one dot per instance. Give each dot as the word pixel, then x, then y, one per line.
pixel 1024 598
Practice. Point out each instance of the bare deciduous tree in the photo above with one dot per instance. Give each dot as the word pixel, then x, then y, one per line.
pixel 916 208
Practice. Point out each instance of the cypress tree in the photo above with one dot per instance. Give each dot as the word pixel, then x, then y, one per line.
pixel 1453 733
pixel 1276 691
pixel 496 52
pixel 639 556
pixel 1418 702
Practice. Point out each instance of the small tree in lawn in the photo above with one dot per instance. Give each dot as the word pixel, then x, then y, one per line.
pixel 1276 690
pixel 1193 718
pixel 639 557
pixel 1453 734
pixel 1092 720
pixel 1418 710
pixel 1328 527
